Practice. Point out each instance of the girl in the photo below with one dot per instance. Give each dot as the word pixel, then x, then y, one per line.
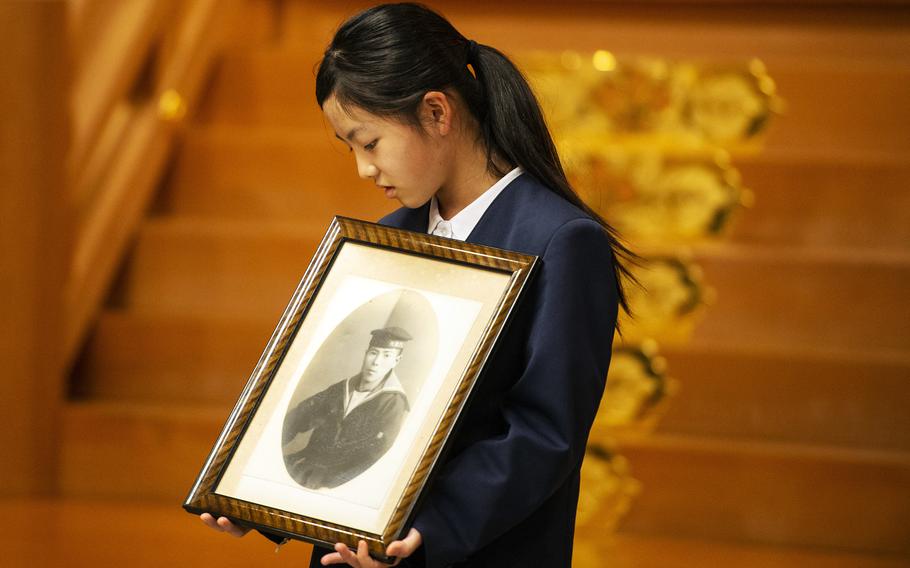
pixel 451 129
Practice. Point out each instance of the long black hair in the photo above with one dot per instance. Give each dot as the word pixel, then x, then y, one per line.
pixel 385 59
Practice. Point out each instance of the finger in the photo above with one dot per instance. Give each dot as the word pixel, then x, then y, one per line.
pixel 230 528
pixel 346 554
pixel 331 558
pixel 363 556
pixel 406 546
pixel 209 521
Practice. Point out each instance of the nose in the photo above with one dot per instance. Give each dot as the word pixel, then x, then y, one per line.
pixel 366 169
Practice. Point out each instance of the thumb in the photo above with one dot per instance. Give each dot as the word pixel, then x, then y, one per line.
pixel 406 546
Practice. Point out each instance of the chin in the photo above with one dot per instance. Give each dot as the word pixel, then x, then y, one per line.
pixel 414 203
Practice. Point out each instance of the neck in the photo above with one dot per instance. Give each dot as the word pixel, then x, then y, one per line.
pixel 469 178
pixel 364 385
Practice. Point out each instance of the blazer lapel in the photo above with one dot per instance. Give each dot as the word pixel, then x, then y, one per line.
pixel 496 223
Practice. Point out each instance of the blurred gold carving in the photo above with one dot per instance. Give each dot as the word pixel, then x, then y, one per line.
pixel 647 143
pixel 652 198
pixel 171 106
pixel 684 104
pixel 637 392
pixel 669 301
pixel 607 490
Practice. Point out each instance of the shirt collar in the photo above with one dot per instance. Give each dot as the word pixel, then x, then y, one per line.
pixel 391 384
pixel 464 221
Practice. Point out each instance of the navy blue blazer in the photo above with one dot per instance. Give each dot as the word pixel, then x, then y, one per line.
pixel 507 490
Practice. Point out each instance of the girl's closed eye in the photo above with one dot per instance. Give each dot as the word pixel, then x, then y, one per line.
pixel 371 145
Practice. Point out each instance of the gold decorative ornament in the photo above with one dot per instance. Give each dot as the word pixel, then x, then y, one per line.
pixel 676 105
pixel 171 106
pixel 638 390
pixel 646 142
pixel 653 199
pixel 668 303
pixel 607 490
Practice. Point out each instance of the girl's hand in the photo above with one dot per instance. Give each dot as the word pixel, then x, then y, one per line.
pixel 223 524
pixel 400 549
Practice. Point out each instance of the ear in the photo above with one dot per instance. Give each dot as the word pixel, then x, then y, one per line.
pixel 436 112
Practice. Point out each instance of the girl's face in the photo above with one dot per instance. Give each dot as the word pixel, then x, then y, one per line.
pixel 405 163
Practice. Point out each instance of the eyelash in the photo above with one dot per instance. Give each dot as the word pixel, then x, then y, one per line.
pixel 369 147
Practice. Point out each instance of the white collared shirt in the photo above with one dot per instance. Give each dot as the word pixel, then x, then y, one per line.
pixel 463 222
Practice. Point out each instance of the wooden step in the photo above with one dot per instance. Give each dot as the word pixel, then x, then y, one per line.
pixel 195 266
pixel 254 173
pixel 770 493
pixel 801 199
pixel 171 358
pixel 86 533
pixel 114 450
pixel 824 199
pixel 822 113
pixel 700 488
pixel 857 400
pixel 811 397
pixel 815 298
pixel 639 551
pixel 269 86
pixel 826 298
pixel 51 533
pixel 694 30
pixel 803 80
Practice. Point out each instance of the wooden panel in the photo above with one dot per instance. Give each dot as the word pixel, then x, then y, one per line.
pixel 762 493
pixel 123 189
pixel 34 232
pixel 769 493
pixel 257 23
pixel 827 398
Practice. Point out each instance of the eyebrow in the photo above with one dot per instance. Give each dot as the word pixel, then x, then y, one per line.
pixel 350 134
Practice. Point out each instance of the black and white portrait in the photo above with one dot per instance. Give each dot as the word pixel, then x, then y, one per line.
pixel 334 435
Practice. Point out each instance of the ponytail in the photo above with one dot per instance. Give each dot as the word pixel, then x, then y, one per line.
pixel 385 59
pixel 514 129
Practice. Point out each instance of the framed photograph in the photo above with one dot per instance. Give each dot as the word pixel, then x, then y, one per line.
pixel 336 433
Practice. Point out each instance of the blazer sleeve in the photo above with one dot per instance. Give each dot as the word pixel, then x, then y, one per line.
pixel 495 483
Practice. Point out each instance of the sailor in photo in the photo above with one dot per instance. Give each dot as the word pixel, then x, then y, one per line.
pixel 353 422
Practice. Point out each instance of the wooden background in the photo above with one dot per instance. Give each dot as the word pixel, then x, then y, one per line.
pixel 789 444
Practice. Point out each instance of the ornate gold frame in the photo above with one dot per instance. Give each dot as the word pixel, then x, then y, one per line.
pixel 202 496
